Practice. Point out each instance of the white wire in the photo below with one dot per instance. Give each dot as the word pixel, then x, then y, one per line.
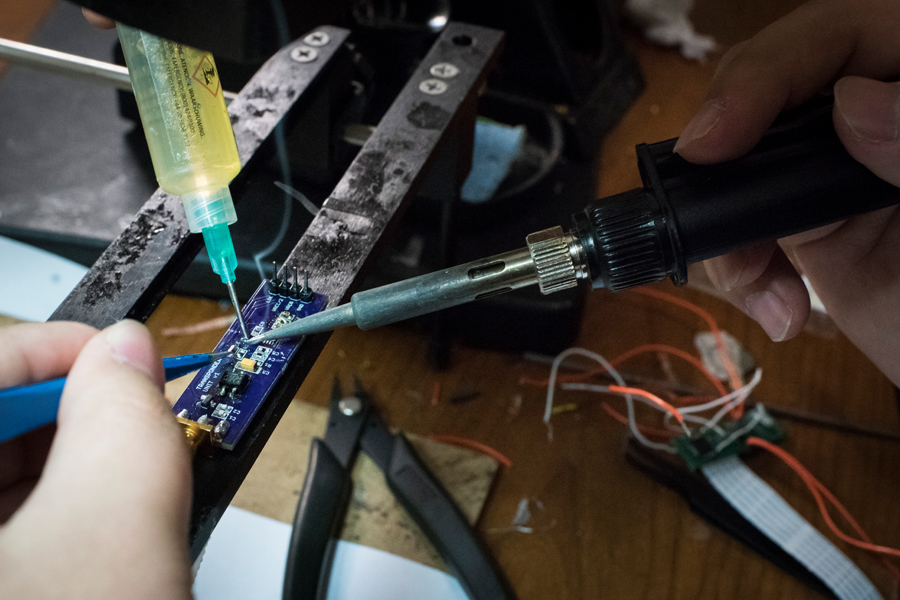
pixel 667 422
pixel 731 400
pixel 737 401
pixel 629 399
pixel 694 419
pixel 739 394
pixel 757 417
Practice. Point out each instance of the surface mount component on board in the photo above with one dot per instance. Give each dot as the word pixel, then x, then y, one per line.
pixel 247 364
pixel 283 319
pixel 233 383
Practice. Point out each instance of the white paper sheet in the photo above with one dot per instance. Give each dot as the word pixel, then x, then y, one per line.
pixel 245 558
pixel 34 282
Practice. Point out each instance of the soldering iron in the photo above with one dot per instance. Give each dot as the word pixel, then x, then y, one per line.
pixel 798 177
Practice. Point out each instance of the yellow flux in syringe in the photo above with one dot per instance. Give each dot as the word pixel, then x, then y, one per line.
pixel 182 107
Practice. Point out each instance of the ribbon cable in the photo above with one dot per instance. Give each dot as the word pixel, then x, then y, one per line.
pixel 768 511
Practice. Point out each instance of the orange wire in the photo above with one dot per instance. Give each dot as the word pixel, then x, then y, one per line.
pixel 818 489
pixel 645 429
pixel 733 375
pixel 462 442
pixel 651 397
pixel 436 392
pixel 644 349
pixel 685 356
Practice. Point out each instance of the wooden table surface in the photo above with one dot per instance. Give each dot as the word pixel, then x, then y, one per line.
pixel 607 531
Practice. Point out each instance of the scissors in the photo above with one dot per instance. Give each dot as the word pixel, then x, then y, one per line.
pixel 24 408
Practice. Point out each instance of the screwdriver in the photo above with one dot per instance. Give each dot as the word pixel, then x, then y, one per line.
pixel 798 177
pixel 26 407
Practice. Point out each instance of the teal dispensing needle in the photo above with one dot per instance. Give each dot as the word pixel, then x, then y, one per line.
pixel 224 261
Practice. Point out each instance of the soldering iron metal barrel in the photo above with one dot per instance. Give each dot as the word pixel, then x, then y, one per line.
pixel 552 260
pixel 444 289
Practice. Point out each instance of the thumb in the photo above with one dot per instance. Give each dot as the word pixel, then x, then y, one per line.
pixel 115 427
pixel 116 484
pixel 867 119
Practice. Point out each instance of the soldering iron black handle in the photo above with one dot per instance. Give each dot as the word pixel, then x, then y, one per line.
pixel 798 177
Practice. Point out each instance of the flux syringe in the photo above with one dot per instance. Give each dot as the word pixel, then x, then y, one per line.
pixel 182 107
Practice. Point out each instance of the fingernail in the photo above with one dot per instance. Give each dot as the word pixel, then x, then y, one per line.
pixel 130 343
pixel 771 313
pixel 703 122
pixel 871 109
pixel 723 277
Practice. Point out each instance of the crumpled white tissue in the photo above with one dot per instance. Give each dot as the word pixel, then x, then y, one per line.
pixel 666 22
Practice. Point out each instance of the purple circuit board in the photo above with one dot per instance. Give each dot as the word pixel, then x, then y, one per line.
pixel 228 393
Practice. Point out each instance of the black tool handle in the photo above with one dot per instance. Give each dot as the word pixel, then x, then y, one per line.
pixel 798 177
pixel 431 506
pixel 320 512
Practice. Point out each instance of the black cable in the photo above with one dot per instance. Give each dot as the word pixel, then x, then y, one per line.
pixel 284 163
pixel 552 157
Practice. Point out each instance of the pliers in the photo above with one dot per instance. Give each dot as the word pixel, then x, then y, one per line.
pixel 27 407
pixel 353 425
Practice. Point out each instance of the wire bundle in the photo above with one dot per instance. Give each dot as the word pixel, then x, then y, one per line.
pixel 728 404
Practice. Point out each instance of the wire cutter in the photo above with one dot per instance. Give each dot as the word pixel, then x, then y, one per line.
pixel 27 407
pixel 353 425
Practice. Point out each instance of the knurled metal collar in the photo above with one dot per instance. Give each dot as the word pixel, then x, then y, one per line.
pixel 552 259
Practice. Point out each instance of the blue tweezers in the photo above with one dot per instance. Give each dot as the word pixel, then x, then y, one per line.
pixel 26 407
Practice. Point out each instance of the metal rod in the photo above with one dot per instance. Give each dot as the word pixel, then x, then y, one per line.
pixel 237 309
pixel 71 65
